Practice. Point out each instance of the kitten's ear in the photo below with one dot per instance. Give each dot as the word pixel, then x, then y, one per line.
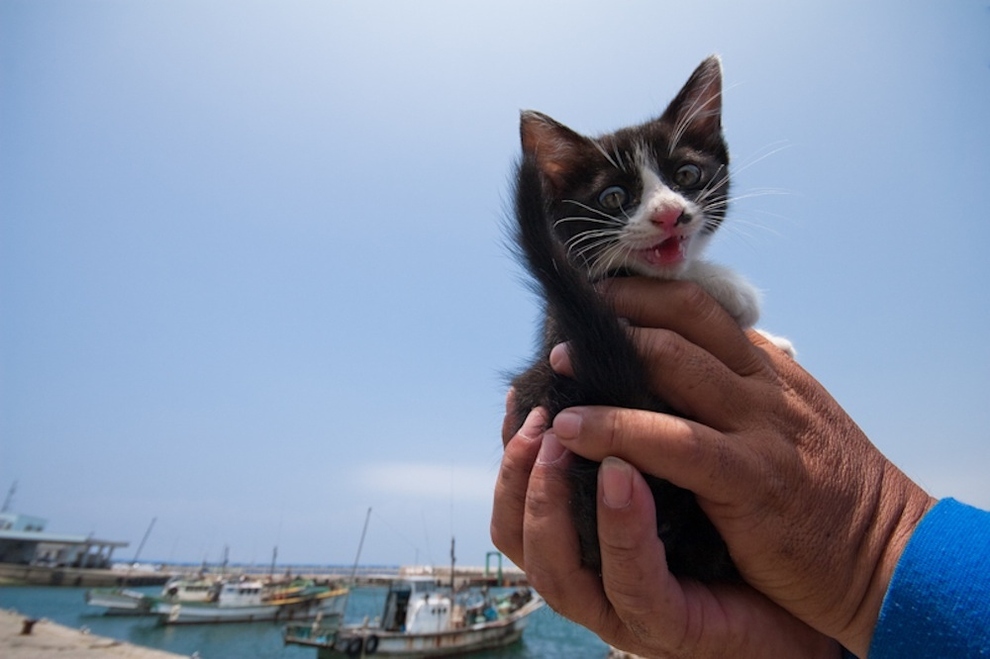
pixel 553 146
pixel 698 106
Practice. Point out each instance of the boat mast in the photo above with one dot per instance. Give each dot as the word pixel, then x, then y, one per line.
pixel 357 559
pixel 452 561
pixel 360 546
pixel 9 499
pixel 137 554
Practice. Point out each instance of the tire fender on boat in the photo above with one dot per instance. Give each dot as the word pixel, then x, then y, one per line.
pixel 354 647
pixel 371 645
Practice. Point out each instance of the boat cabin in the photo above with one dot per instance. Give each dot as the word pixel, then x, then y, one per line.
pixel 417 605
pixel 241 593
pixel 182 589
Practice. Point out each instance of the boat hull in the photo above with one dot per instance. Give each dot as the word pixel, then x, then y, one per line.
pixel 352 641
pixel 423 646
pixel 299 609
pixel 119 602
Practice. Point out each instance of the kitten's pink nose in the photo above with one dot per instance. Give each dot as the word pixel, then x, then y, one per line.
pixel 668 218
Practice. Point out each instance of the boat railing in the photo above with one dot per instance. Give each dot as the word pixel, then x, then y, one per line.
pixel 331 572
pixel 311 634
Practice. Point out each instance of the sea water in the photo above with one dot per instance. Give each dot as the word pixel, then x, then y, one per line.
pixel 548 636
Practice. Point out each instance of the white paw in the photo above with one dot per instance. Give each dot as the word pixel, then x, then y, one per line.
pixel 779 341
pixel 733 292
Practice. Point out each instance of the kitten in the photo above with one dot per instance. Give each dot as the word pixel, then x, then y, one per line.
pixel 640 201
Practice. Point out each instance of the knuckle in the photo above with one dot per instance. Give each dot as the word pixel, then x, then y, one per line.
pixel 540 505
pixel 691 296
pixel 616 432
pixel 499 538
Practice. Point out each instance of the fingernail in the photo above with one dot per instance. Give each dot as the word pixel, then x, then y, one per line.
pixel 510 399
pixel 558 357
pixel 551 450
pixel 567 424
pixel 616 477
pixel 534 424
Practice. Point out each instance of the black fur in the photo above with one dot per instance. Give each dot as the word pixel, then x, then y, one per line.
pixel 607 368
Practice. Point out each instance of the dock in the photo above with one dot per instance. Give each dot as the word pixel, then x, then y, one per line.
pixel 12 574
pixel 25 638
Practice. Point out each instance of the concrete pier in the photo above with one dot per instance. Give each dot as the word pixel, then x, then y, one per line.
pixel 12 574
pixel 20 638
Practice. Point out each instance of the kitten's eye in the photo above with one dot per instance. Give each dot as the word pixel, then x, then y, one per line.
pixel 687 176
pixel 613 198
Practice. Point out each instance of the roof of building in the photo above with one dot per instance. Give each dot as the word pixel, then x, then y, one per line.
pixel 57 538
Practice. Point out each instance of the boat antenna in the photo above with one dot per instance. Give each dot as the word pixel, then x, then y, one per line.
pixel 452 561
pixel 137 554
pixel 357 559
pixel 10 498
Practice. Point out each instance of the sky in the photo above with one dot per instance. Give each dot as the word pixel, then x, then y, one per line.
pixel 253 271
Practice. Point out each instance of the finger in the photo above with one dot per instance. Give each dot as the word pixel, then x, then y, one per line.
pixel 511 420
pixel 552 557
pixel 688 454
pixel 660 616
pixel 685 308
pixel 635 578
pixel 694 382
pixel 686 377
pixel 560 360
pixel 508 509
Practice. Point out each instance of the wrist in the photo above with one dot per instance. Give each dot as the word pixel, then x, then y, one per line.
pixel 900 506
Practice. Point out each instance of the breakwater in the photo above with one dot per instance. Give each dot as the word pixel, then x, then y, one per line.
pixel 120 576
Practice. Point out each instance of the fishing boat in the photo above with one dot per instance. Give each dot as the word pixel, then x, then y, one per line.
pixel 252 600
pixel 124 601
pixel 421 619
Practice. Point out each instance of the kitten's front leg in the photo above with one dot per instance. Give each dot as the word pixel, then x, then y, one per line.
pixel 731 290
pixel 740 298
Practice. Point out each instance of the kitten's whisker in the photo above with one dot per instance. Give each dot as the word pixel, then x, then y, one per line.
pixel 608 259
pixel 590 240
pixel 594 253
pixel 738 225
pixel 713 186
pixel 618 157
pixel 610 222
pixel 591 209
pixel 749 195
pixel 601 149
pixel 760 157
pixel 696 109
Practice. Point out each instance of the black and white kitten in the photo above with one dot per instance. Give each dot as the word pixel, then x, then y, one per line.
pixel 640 201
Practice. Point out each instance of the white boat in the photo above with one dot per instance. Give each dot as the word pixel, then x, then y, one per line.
pixel 122 601
pixel 421 619
pixel 251 600
pixel 119 601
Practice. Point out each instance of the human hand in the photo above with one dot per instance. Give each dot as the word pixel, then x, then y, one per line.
pixel 636 604
pixel 814 515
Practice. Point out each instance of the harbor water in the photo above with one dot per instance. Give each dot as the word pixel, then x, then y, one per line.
pixel 548 636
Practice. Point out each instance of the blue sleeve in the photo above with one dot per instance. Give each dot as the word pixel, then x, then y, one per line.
pixel 938 601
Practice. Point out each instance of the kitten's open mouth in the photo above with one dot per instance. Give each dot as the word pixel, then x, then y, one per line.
pixel 666 253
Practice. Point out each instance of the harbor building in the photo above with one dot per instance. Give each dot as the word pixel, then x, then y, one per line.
pixel 24 541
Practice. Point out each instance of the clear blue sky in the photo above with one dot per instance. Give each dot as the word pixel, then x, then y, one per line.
pixel 252 277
